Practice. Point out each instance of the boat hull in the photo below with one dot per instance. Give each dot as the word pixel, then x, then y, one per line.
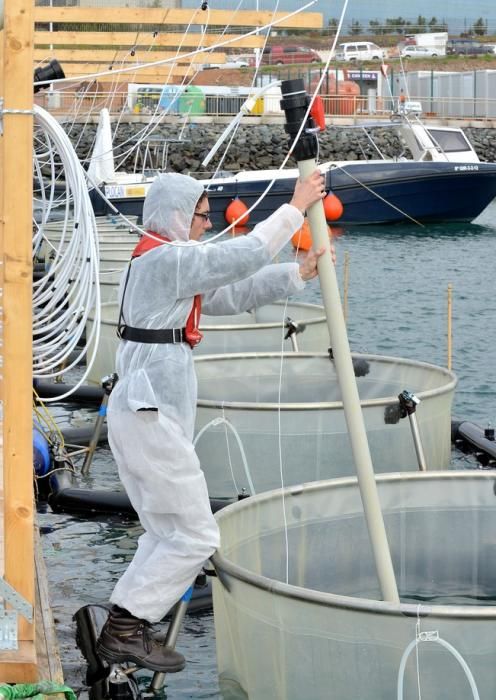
pixel 372 192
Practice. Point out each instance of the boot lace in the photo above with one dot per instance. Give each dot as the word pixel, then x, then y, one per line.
pixel 144 629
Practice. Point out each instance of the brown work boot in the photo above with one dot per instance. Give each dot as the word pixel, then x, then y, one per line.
pixel 127 638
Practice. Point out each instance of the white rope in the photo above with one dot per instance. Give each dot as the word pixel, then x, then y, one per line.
pixel 431 636
pixel 68 290
pixel 223 420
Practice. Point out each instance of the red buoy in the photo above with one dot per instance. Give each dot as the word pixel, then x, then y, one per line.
pixel 333 207
pixel 235 211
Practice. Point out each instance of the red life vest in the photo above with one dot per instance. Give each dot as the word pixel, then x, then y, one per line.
pixel 192 332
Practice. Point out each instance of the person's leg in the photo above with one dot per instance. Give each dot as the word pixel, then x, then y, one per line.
pixel 161 473
pixel 162 476
pixel 125 637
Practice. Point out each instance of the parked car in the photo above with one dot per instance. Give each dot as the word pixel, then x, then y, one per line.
pixel 280 55
pixel 419 52
pixel 236 63
pixel 359 51
pixel 464 47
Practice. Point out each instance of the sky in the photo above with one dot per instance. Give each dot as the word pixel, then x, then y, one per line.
pixel 459 14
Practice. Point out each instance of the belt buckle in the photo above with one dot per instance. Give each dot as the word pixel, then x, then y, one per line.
pixel 178 339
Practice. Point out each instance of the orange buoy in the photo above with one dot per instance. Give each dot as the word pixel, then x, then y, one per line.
pixel 317 112
pixel 235 211
pixel 302 239
pixel 333 207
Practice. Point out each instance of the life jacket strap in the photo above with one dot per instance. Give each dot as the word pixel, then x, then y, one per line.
pixel 151 335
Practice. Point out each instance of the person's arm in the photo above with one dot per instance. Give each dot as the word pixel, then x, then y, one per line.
pixel 306 193
pixel 271 283
pixel 207 267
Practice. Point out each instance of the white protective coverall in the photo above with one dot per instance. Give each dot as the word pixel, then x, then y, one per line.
pixel 153 449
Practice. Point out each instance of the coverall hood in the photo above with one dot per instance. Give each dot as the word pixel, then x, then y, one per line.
pixel 170 204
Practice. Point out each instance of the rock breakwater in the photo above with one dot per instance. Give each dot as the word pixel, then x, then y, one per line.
pixel 254 147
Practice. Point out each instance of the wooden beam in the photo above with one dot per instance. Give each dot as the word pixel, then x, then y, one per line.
pixel 47 647
pixel 145 79
pixel 146 15
pixel 73 70
pixel 129 39
pixel 19 666
pixel 117 56
pixel 16 231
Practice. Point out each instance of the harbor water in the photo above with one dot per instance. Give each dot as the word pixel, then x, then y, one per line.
pixel 397 303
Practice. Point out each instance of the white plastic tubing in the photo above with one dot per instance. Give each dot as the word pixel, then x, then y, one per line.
pixel 68 290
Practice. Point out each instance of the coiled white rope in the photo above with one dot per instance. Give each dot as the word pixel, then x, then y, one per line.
pixel 68 290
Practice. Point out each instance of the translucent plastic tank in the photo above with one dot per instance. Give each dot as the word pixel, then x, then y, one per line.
pixel 109 285
pixel 257 412
pixel 298 609
pixel 259 330
pixel 113 261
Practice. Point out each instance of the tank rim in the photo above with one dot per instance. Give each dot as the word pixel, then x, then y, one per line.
pixel 225 568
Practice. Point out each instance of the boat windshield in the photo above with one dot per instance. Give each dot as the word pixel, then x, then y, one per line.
pixel 450 141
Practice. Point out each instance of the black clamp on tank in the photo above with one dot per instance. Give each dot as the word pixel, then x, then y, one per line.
pixel 295 103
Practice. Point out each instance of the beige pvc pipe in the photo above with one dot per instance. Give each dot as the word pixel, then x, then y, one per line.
pixel 349 393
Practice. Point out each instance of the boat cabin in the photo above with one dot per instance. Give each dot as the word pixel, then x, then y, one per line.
pixel 437 143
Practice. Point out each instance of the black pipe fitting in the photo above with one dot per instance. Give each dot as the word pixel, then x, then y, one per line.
pixel 295 103
pixel 51 72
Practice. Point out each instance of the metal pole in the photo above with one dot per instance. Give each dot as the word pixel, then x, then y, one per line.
pixel 293 329
pixel 108 384
pixel 295 104
pixel 408 407
pixel 158 680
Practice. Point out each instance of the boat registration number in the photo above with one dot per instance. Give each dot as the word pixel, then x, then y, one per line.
pixel 464 168
pixel 114 191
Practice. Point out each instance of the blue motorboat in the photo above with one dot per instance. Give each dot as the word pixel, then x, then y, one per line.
pixel 441 180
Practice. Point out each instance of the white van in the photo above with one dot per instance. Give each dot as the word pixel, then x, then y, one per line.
pixel 359 51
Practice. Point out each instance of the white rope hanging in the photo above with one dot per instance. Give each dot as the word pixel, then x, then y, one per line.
pixel 68 291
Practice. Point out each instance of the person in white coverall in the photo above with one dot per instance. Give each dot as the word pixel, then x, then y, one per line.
pixel 151 412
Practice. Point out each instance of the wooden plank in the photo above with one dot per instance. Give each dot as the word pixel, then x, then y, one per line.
pixel 161 73
pixel 118 56
pixel 137 78
pixel 39 659
pixel 19 666
pixel 15 230
pixel 2 501
pixel 147 15
pixel 2 508
pixel 130 39
pixel 47 646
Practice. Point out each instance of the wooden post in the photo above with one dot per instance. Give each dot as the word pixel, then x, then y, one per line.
pixel 346 283
pixel 450 332
pixel 16 152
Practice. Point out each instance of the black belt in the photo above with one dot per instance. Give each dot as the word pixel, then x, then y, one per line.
pixel 151 335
